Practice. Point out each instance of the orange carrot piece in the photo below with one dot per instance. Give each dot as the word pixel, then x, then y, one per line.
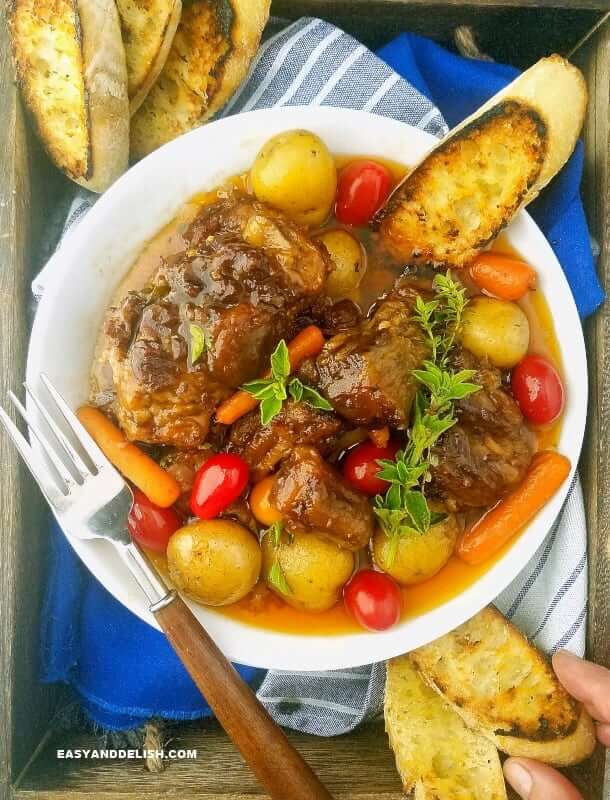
pixel 159 486
pixel 502 276
pixel 547 472
pixel 306 344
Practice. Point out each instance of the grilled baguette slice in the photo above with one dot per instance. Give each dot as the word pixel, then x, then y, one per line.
pixel 470 186
pixel 148 28
pixel 210 56
pixel 504 689
pixel 70 65
pixel 437 756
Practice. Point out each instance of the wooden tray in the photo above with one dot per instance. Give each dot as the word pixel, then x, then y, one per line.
pixel 357 766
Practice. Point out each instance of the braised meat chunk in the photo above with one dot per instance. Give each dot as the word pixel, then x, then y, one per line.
pixel 487 453
pixel 245 276
pixel 312 496
pixel 366 372
pixel 264 446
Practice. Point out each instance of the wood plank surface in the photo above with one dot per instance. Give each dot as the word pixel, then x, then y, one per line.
pixel 595 462
pixel 358 766
pixel 518 35
pixel 25 704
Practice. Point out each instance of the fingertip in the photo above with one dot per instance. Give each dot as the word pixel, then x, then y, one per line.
pixel 603 733
pixel 564 659
pixel 519 777
pixel 533 780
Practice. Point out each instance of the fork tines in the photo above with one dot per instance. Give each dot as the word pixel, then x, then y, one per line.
pixel 72 454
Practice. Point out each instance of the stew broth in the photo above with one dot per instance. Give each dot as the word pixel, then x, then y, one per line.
pixel 262 608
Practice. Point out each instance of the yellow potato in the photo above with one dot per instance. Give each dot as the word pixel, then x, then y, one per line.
pixel 295 172
pixel 348 259
pixel 314 568
pixel 496 329
pixel 215 561
pixel 418 556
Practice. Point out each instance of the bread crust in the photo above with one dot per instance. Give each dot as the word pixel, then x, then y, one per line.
pixel 437 756
pixel 471 185
pixel 505 689
pixel 70 66
pixel 106 81
pixel 148 33
pixel 210 56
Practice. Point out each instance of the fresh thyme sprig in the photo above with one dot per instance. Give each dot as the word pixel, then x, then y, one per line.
pixel 441 317
pixel 404 510
pixel 276 574
pixel 273 391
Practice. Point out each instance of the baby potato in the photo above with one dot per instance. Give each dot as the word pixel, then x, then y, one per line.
pixel 496 329
pixel 295 172
pixel 315 569
pixel 347 256
pixel 418 556
pixel 215 561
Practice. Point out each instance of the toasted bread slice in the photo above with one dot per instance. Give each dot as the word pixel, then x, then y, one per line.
pixel 148 28
pixel 504 689
pixel 437 756
pixel 210 56
pixel 70 65
pixel 457 200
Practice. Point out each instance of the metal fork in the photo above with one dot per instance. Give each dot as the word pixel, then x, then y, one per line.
pixel 92 501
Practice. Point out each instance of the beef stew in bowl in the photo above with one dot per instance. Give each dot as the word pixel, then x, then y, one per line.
pixel 346 410
pixel 119 245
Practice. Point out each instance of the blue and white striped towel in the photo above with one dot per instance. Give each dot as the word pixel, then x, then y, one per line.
pixel 314 63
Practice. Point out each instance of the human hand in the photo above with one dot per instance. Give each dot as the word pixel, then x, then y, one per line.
pixel 588 683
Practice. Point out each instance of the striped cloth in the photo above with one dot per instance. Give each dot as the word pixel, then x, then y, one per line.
pixel 314 63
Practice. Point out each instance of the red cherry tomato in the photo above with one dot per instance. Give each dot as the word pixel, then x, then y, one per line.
pixel 362 189
pixel 538 388
pixel 150 525
pixel 360 467
pixel 373 598
pixel 217 484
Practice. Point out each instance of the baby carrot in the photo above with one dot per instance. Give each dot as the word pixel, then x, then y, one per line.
pixel 306 344
pixel 159 486
pixel 502 276
pixel 547 472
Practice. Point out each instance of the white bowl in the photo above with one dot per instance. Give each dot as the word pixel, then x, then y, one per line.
pixel 95 257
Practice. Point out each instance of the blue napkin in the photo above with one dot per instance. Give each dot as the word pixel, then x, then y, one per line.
pixel 124 671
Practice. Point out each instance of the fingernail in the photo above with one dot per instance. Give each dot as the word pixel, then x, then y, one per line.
pixel 519 778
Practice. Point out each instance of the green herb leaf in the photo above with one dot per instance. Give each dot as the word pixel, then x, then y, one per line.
pixel 315 399
pixel 260 389
pixel 197 344
pixel 277 578
pixel 404 510
pixel 276 573
pixel 270 407
pixel 295 387
pixel 274 531
pixel 273 391
pixel 280 362
pixel 436 517
pixel 417 508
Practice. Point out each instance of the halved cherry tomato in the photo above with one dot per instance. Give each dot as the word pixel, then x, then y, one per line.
pixel 360 467
pixel 373 598
pixel 538 389
pixel 150 525
pixel 217 484
pixel 261 507
pixel 362 189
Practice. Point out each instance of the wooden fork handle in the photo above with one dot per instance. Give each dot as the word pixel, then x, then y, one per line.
pixel 277 765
